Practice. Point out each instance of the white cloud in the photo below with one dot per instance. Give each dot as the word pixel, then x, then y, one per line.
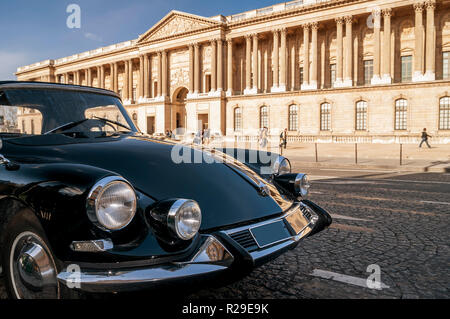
pixel 9 62
pixel 93 37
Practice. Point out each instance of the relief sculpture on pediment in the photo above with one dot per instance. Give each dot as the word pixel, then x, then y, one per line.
pixel 178 25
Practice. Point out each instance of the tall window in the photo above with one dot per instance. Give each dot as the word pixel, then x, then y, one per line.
pixel 407 68
pixel 361 116
pixel 32 126
pixel 155 89
pixel 332 74
pixel 401 112
pixel 446 65
pixel 444 113
pixel 237 119
pixel 207 83
pixel 301 75
pixel 368 71
pixel 293 118
pixel 325 117
pixel 134 94
pixel 263 117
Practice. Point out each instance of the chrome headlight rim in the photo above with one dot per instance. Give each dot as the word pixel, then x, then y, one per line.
pixel 279 163
pixel 173 218
pixel 302 185
pixel 95 194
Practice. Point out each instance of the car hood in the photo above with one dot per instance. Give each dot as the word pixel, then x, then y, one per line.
pixel 224 192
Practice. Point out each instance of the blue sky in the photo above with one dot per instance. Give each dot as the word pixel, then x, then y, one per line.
pixel 34 31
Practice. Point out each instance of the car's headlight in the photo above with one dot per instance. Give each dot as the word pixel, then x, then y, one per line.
pixel 302 185
pixel 111 203
pixel 184 218
pixel 296 184
pixel 281 166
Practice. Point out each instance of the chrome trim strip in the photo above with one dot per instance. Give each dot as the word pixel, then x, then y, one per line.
pixel 136 278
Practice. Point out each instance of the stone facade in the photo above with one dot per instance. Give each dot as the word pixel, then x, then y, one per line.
pixel 328 70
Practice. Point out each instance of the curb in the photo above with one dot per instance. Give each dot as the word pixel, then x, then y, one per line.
pixel 405 168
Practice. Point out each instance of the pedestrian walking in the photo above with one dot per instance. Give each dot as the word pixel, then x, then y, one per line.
pixel 283 138
pixel 425 137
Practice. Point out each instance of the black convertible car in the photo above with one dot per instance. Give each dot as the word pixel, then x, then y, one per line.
pixel 88 204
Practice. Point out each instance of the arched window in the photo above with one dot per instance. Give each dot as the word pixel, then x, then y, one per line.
pixel 293 118
pixel 325 116
pixel 263 117
pixel 361 116
pixel 401 112
pixel 444 113
pixel 237 119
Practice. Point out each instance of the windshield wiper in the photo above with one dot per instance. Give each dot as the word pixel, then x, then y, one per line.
pixel 113 122
pixel 65 126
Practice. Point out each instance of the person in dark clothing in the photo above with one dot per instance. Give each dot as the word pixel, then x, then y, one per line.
pixel 283 138
pixel 425 137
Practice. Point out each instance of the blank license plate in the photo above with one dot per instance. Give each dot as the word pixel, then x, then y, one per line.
pixel 270 233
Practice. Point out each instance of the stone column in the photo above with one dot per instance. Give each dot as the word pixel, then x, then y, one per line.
pixel 229 67
pixel 418 48
pixel 430 42
pixel 348 77
pixel 376 79
pixel 220 65
pixel 191 69
pixel 141 76
pixel 275 61
pixel 89 77
pixel 130 81
pixel 125 90
pixel 102 76
pixel 339 55
pixel 315 56
pixel 66 78
pixel 197 68
pixel 112 76
pixel 164 74
pixel 213 65
pixel 387 47
pixel 255 64
pixel 78 76
pixel 248 64
pixel 283 73
pixel 305 84
pixel 159 73
pixel 146 76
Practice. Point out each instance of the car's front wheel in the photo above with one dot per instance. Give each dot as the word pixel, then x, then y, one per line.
pixel 28 263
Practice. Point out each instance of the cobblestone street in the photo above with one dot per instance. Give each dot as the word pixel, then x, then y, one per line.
pixel 399 221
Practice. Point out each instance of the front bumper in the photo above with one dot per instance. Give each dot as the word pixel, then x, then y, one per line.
pixel 219 253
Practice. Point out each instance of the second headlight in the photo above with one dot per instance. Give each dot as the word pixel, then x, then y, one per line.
pixel 184 218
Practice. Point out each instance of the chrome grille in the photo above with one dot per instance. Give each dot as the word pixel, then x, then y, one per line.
pixel 245 239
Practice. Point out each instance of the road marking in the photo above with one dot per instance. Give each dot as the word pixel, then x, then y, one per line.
pixel 361 282
pixel 357 229
pixel 337 216
pixel 356 170
pixel 344 180
pixel 432 202
pixel 384 209
pixel 315 192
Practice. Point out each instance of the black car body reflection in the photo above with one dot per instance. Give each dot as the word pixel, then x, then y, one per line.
pixel 90 203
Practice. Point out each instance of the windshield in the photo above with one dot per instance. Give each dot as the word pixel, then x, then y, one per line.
pixel 36 111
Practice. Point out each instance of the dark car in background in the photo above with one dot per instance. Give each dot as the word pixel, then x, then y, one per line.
pixel 88 204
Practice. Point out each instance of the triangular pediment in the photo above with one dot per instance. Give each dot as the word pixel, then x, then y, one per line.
pixel 176 23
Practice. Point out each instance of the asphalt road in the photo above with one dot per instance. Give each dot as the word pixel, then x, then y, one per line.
pixel 398 222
